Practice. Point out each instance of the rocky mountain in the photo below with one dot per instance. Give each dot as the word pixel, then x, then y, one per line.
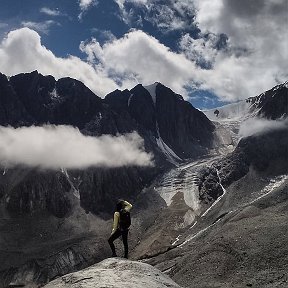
pixel 211 212
pixel 219 221
pixel 235 236
pixel 167 117
pixel 273 103
pixel 60 217
pixel 175 127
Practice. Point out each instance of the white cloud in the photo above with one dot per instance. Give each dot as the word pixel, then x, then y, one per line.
pixel 257 126
pixel 54 147
pixel 199 50
pixel 42 27
pixel 50 12
pixel 105 34
pixel 138 57
pixel 255 58
pixel 23 48
pixel 85 5
pixel 166 15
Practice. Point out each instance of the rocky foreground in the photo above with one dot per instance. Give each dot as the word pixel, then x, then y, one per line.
pixel 115 272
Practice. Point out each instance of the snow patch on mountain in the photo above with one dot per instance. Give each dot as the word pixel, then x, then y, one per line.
pixel 171 156
pixel 167 151
pixel 285 84
pixel 273 184
pixel 152 91
pixel 75 191
pixel 232 111
pixel 218 199
pixel 54 94
pixel 183 179
pixel 129 99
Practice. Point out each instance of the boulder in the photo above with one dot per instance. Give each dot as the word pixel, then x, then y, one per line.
pixel 115 272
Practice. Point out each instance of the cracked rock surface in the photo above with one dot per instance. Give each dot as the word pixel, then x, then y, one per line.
pixel 115 272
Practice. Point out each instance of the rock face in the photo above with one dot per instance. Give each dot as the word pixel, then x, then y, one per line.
pixel 57 102
pixel 265 153
pixel 29 191
pixel 272 104
pixel 165 116
pixel 240 240
pixel 114 272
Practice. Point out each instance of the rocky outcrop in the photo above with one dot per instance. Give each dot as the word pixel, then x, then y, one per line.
pixel 185 128
pixel 66 101
pixel 272 104
pixel 165 115
pixel 114 272
pixel 12 111
pixel 209 185
pixel 265 153
pixel 30 191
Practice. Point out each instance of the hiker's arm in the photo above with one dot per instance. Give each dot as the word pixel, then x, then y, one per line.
pixel 115 222
pixel 128 206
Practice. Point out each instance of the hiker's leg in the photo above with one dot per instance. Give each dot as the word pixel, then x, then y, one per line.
pixel 125 242
pixel 111 239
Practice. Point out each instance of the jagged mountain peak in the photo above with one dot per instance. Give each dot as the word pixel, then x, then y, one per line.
pixel 180 129
pixel 34 99
pixel 155 111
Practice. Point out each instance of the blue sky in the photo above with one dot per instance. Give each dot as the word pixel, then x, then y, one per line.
pixel 210 51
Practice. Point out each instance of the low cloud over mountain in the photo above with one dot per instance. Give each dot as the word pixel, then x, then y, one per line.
pixel 55 147
pixel 257 125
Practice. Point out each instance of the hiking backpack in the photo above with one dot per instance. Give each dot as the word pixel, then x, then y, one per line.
pixel 125 220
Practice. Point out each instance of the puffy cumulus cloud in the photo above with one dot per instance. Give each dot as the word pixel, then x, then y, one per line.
pixel 54 147
pixel 258 125
pixel 255 57
pixel 252 56
pixel 23 48
pixel 138 57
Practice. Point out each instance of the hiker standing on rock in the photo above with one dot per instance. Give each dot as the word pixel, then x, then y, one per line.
pixel 121 224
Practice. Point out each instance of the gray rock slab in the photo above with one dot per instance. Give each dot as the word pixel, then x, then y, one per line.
pixel 115 272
